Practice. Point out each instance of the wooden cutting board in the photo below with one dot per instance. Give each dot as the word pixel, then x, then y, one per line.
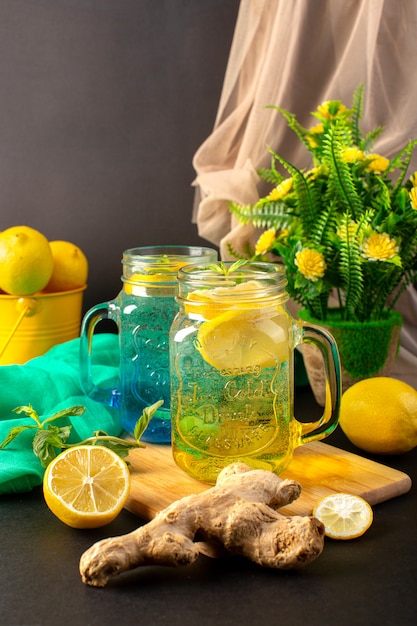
pixel 320 469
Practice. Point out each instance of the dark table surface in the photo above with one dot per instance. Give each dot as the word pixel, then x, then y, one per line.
pixel 369 580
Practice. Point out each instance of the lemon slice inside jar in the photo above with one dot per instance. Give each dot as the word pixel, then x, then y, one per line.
pixel 212 302
pixel 153 276
pixel 239 340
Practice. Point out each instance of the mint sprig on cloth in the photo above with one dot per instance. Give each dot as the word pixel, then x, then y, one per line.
pixel 50 439
pixel 51 383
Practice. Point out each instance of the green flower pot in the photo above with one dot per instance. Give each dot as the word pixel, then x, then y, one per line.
pixel 366 349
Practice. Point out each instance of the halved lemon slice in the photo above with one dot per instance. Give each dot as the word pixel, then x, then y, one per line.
pixel 86 486
pixel 242 339
pixel 345 516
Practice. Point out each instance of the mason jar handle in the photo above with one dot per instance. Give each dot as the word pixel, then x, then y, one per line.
pixel 109 396
pixel 325 342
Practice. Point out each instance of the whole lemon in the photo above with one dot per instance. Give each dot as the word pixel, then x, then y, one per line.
pixel 70 269
pixel 26 261
pixel 379 415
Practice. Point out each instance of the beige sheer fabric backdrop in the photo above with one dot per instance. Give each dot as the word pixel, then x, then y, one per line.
pixel 296 54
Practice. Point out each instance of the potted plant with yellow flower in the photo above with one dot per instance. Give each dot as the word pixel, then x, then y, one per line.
pixel 346 230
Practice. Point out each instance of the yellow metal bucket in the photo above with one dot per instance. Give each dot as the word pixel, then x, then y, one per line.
pixel 30 325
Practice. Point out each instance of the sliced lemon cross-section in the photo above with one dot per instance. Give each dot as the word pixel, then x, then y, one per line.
pixel 86 486
pixel 344 515
pixel 239 339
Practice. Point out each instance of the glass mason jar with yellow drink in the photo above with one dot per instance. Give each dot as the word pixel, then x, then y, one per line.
pixel 231 364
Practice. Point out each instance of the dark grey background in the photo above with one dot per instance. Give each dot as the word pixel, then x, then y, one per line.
pixel 103 104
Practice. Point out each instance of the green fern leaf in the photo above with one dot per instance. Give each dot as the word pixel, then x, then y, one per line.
pixel 368 141
pixel 322 232
pixel 308 203
pixel 271 175
pixel 350 269
pixel 357 104
pixel 402 162
pixel 246 254
pixel 293 123
pixel 340 181
pixel 263 214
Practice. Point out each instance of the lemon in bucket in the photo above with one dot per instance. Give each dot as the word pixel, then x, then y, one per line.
pixel 26 261
pixel 34 317
pixel 70 267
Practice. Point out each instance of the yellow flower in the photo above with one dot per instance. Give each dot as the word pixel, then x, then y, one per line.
pixel 314 172
pixel 413 179
pixel 315 130
pixel 413 198
pixel 352 155
pixel 378 163
pixel 313 143
pixel 324 109
pixel 379 247
pixel 311 263
pixel 281 190
pixel 265 241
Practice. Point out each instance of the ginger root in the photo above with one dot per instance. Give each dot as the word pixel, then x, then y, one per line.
pixel 238 514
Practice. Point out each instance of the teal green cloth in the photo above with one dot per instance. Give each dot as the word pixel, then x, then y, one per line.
pixel 51 383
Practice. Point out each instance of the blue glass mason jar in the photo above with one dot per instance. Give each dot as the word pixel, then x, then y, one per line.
pixel 143 312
